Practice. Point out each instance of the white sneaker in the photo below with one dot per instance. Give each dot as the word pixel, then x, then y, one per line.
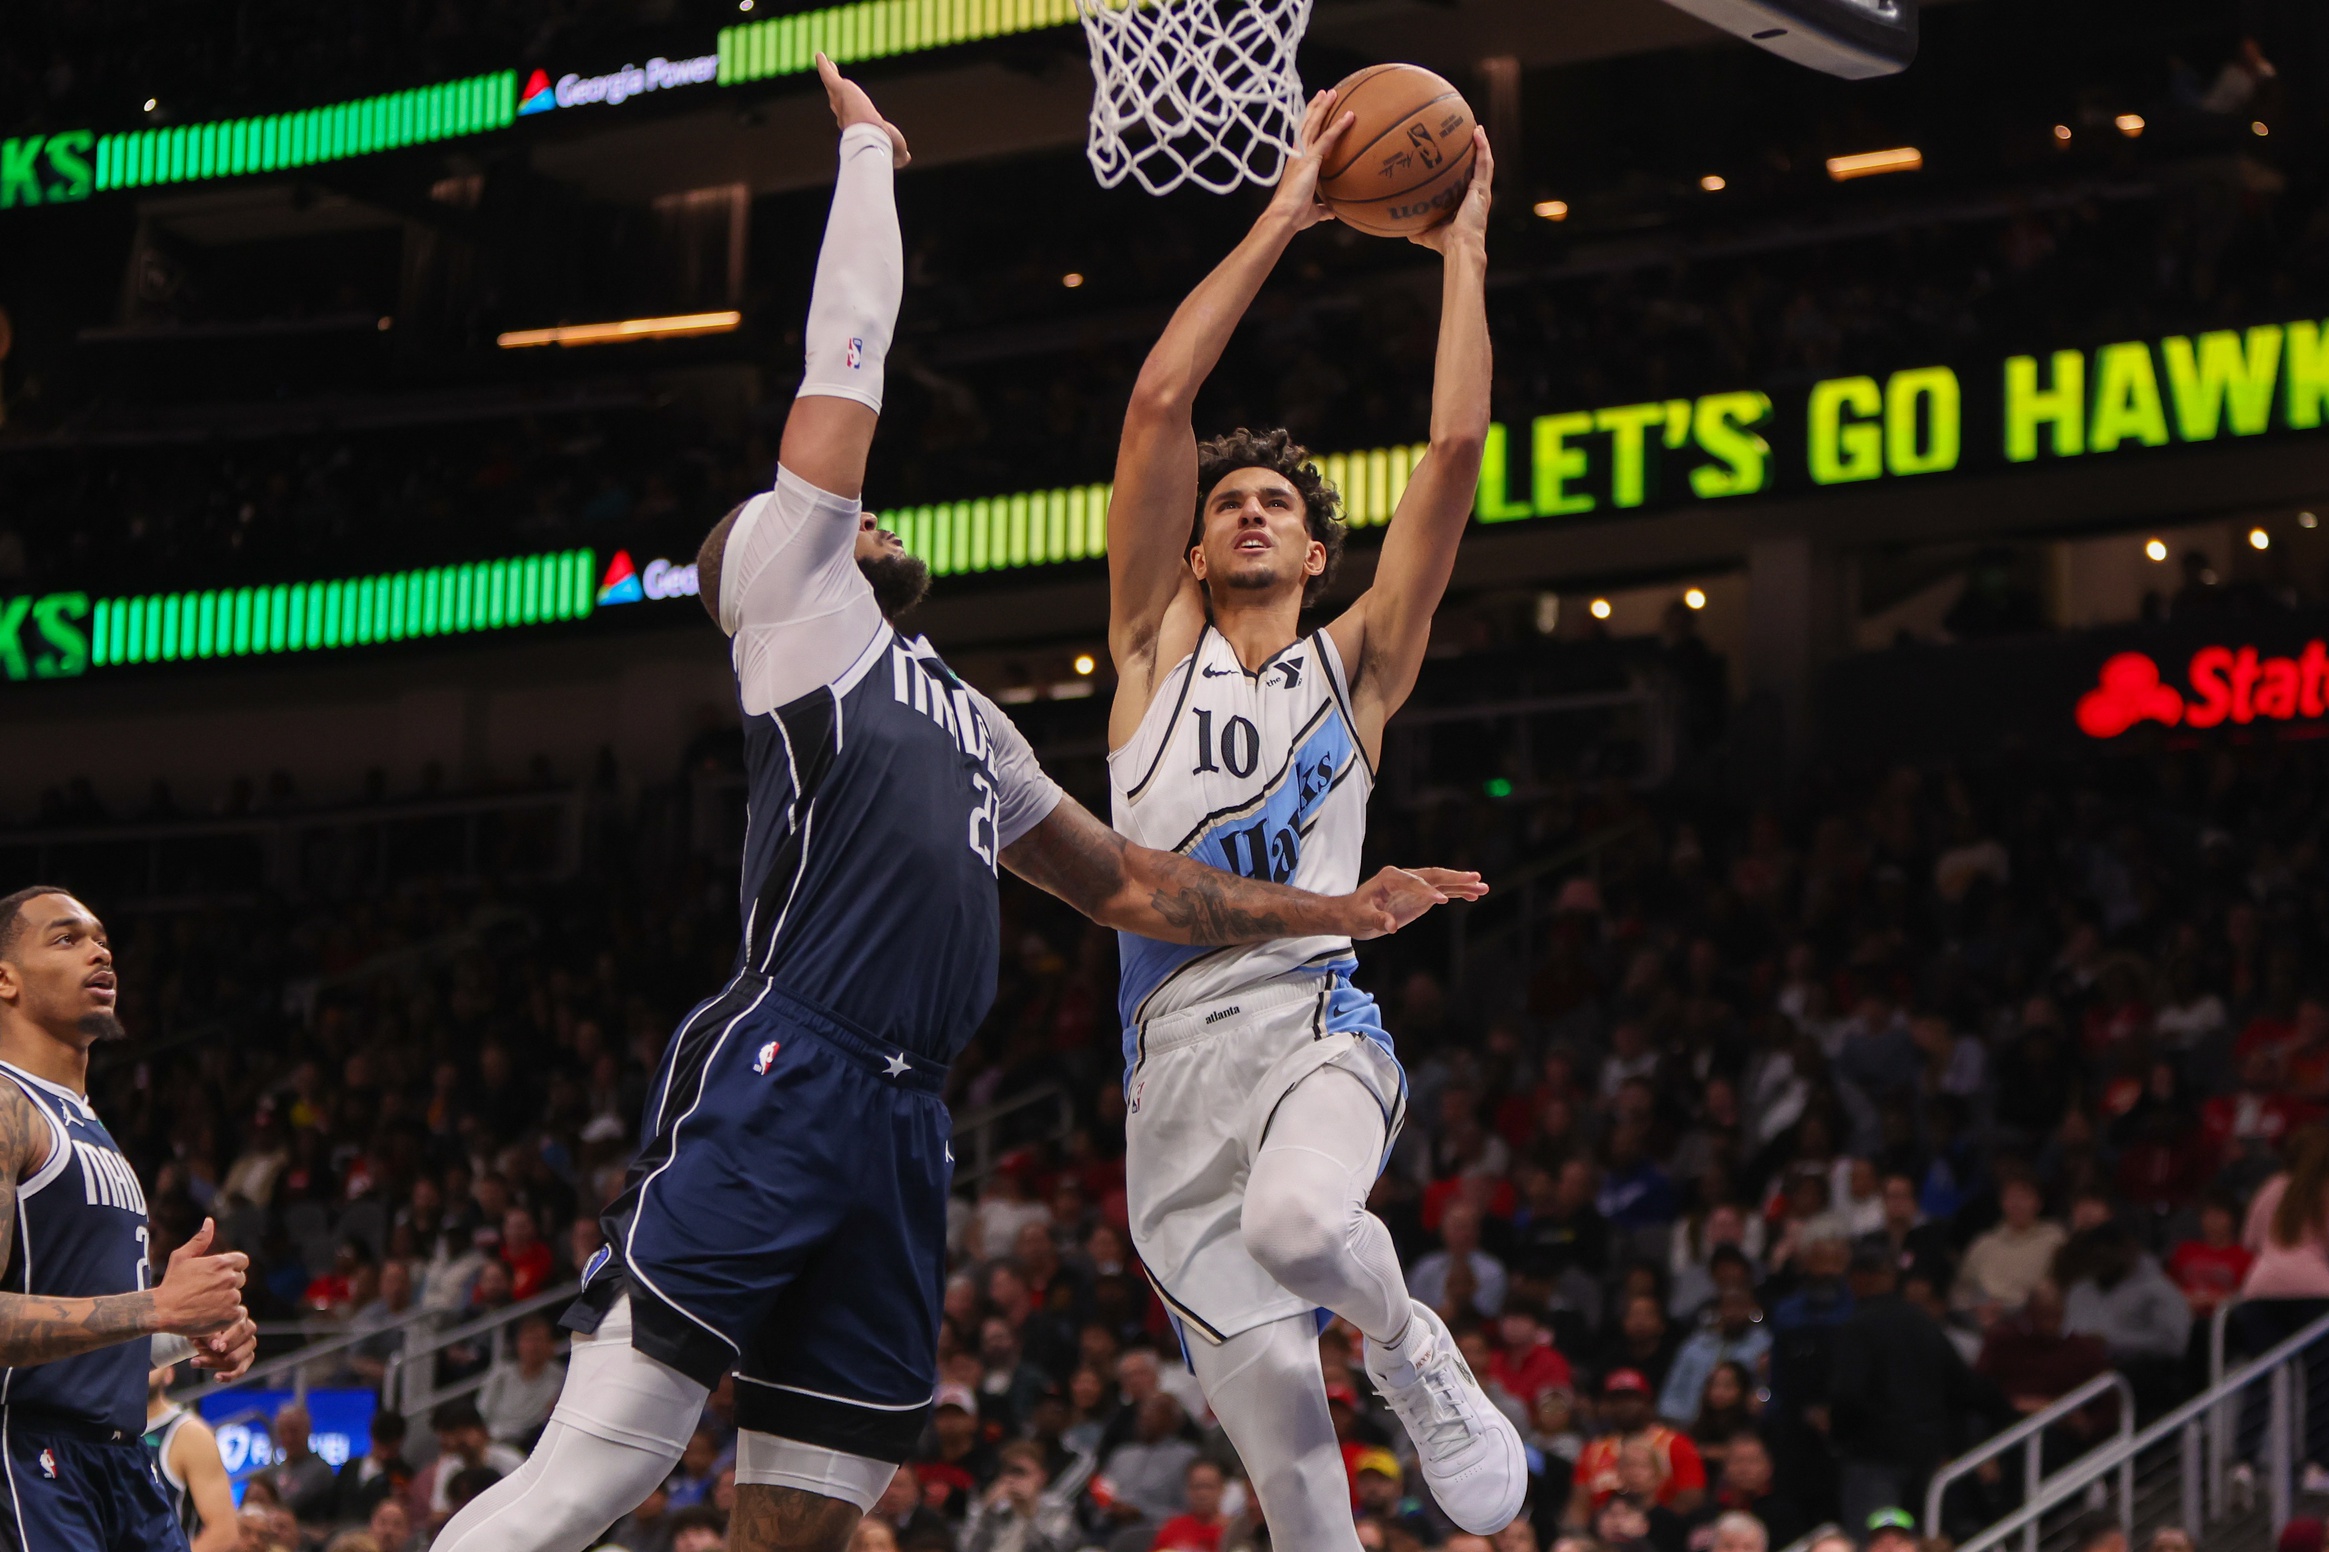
pixel 1471 1454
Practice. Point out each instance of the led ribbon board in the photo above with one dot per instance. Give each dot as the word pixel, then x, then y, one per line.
pixel 63 635
pixel 875 29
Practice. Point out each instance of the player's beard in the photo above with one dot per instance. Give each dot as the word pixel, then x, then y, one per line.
pixel 899 581
pixel 101 1027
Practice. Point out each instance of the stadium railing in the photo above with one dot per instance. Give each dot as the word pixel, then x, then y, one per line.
pixel 2029 1436
pixel 984 1135
pixel 299 1366
pixel 409 1385
pixel 2209 1500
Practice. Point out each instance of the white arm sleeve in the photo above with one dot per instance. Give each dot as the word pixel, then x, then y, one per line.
pixel 1024 794
pixel 861 276
pixel 791 593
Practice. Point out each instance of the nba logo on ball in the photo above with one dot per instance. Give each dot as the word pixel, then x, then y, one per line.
pixel 856 355
pixel 765 1059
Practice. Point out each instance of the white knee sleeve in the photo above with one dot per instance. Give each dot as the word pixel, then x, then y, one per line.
pixel 1266 1388
pixel 861 275
pixel 765 1460
pixel 621 1422
pixel 1305 1219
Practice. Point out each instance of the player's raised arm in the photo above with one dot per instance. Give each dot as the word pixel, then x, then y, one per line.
pixel 1384 633
pixel 1155 498
pixel 861 276
pixel 1163 895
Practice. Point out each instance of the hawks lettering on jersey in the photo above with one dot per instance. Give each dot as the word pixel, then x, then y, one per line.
pixel 1259 773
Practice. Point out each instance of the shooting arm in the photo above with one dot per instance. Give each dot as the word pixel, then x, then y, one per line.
pixel 1384 634
pixel 35 1328
pixel 1163 895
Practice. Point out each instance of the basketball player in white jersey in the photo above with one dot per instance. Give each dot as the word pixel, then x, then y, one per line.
pixel 1262 1091
pixel 186 1453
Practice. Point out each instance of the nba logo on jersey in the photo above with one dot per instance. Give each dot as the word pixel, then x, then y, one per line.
pixel 48 1465
pixel 766 1058
pixel 856 355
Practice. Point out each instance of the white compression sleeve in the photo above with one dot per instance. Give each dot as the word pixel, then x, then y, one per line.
pixel 621 1422
pixel 861 275
pixel 1306 1220
pixel 1266 1387
pixel 764 1460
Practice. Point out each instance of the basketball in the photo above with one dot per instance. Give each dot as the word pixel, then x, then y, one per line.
pixel 1403 165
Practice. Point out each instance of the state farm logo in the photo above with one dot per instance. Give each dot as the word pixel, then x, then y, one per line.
pixel 2226 685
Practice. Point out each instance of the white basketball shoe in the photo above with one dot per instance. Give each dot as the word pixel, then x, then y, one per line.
pixel 1471 1454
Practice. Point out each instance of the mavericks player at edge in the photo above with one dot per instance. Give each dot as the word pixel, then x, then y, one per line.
pixel 785 1219
pixel 1262 1091
pixel 79 1310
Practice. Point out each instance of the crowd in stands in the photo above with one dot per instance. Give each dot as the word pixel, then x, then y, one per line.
pixel 1791 1151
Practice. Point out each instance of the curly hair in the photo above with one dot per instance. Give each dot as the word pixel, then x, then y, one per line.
pixel 1278 452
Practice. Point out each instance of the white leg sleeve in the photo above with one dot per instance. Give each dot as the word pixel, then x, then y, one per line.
pixel 764 1460
pixel 1266 1388
pixel 1306 1220
pixel 861 275
pixel 621 1422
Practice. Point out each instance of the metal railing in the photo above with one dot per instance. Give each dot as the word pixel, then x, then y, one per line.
pixel 409 1385
pixel 298 1364
pixel 977 1142
pixel 2029 1435
pixel 2205 1498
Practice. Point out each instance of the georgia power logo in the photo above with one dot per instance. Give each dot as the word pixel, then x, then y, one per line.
pixel 617 86
pixel 2226 685
pixel 627 584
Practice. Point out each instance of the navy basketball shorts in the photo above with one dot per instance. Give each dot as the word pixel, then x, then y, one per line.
pixel 786 1220
pixel 75 1487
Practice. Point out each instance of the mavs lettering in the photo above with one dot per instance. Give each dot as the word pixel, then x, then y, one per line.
pixel 107 1180
pixel 921 684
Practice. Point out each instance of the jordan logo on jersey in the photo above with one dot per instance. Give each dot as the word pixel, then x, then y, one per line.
pixel 107 1178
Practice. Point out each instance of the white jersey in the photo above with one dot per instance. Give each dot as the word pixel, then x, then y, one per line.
pixel 1259 773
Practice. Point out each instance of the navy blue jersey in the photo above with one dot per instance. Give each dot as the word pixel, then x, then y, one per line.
pixel 80 1233
pixel 878 805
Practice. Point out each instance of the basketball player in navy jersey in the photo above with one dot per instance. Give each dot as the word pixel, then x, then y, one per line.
pixel 1264 1091
pixel 79 1310
pixel 785 1219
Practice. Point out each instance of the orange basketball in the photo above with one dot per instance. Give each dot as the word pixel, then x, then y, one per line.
pixel 1405 162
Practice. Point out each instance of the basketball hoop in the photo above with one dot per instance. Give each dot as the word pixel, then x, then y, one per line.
pixel 1193 91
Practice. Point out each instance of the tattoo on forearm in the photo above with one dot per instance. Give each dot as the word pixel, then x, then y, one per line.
pixel 35 1328
pixel 1213 906
pixel 785 1519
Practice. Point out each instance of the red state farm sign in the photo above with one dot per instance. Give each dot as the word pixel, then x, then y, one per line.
pixel 2226 685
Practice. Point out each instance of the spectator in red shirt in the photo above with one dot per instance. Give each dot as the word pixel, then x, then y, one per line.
pixel 1626 1407
pixel 2210 1269
pixel 525 1253
pixel 1526 1362
pixel 1199 1527
pixel 2256 1115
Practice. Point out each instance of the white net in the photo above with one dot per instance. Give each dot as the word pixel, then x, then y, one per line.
pixel 1193 91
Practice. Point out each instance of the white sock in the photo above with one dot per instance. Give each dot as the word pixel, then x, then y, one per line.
pixel 1266 1388
pixel 861 276
pixel 1306 1220
pixel 621 1422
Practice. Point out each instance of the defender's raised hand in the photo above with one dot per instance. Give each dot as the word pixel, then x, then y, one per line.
pixel 1469 223
pixel 1322 129
pixel 852 106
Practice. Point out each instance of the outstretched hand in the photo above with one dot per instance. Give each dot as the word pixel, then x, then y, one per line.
pixel 1297 194
pixel 852 106
pixel 1397 896
pixel 1469 223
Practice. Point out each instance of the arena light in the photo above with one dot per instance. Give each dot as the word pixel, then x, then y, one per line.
pixel 1085 663
pixel 678 326
pixel 2062 131
pixel 2129 124
pixel 1599 608
pixel 1552 209
pixel 2155 549
pixel 2259 127
pixel 2258 539
pixel 1072 280
pixel 2308 520
pixel 1713 183
pixel 1868 164
pixel 1694 598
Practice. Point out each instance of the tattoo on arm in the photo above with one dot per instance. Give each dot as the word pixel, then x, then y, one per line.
pixel 785 1519
pixel 35 1328
pixel 1159 894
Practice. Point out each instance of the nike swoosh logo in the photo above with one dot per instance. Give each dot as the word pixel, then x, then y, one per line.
pixel 1220 673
